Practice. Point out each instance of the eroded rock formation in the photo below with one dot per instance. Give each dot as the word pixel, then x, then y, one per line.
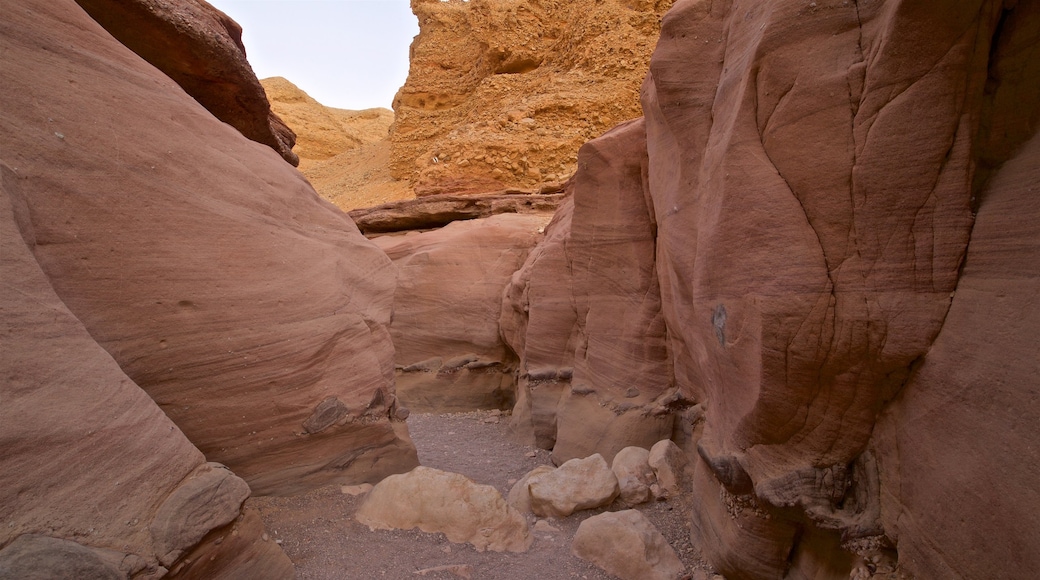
pixel 793 252
pixel 251 311
pixel 502 93
pixel 449 353
pixel 201 49
pixel 95 481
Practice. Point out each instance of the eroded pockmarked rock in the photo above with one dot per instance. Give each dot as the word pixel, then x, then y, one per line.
pixel 627 545
pixel 503 93
pixel 578 484
pixel 207 267
pixel 450 503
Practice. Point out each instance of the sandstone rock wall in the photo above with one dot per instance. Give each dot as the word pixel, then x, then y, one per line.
pixel 449 352
pixel 812 172
pixel 502 93
pixel 95 481
pixel 201 49
pixel 251 311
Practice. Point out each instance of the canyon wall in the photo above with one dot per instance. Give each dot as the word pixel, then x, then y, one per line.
pixel 254 313
pixel 795 219
pixel 500 94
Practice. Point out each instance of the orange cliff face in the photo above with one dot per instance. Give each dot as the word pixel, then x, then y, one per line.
pixel 501 94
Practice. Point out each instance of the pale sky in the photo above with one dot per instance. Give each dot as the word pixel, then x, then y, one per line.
pixel 350 54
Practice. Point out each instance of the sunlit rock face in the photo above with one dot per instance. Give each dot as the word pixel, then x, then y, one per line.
pixel 812 174
pixel 251 311
pixel 501 94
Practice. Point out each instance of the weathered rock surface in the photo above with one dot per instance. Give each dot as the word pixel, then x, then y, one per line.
pixel 201 49
pixel 502 93
pixel 631 467
pixel 810 176
pixel 450 503
pixel 578 484
pixel 963 432
pixel 670 466
pixel 627 545
pixel 344 154
pixel 520 494
pixel 440 210
pixel 584 313
pixel 207 267
pixel 80 439
pixel 449 353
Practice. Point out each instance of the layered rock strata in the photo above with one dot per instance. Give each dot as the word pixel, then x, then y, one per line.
pixel 95 481
pixel 502 93
pixel 811 176
pixel 449 353
pixel 436 211
pixel 251 311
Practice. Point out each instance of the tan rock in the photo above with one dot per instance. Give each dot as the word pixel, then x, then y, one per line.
pixel 344 154
pixel 205 265
pixel 520 494
pixel 484 73
pixel 446 308
pixel 201 49
pixel 578 484
pixel 439 501
pixel 632 468
pixel 627 545
pixel 669 464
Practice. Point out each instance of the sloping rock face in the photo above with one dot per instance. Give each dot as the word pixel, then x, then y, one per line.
pixel 201 49
pixel 811 175
pixel 344 154
pixel 503 93
pixel 252 312
pixel 449 353
pixel 95 481
pixel 584 314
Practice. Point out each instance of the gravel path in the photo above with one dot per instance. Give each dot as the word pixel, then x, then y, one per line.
pixel 319 533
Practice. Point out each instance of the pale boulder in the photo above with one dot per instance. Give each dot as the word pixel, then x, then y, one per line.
pixel 669 465
pixel 632 468
pixel 440 501
pixel 628 546
pixel 519 497
pixel 578 484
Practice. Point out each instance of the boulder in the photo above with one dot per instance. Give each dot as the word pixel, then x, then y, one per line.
pixel 208 268
pixel 449 503
pixel 627 545
pixel 669 464
pixel 449 353
pixel 631 466
pixel 520 494
pixel 578 484
pixel 201 49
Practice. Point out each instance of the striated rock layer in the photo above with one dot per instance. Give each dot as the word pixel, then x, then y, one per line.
pixel 792 262
pixel 95 481
pixel 503 93
pixel 251 311
pixel 449 353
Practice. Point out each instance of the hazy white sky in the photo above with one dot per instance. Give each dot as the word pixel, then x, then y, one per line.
pixel 351 54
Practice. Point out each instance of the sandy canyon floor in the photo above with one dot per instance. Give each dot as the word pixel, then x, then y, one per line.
pixel 320 534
